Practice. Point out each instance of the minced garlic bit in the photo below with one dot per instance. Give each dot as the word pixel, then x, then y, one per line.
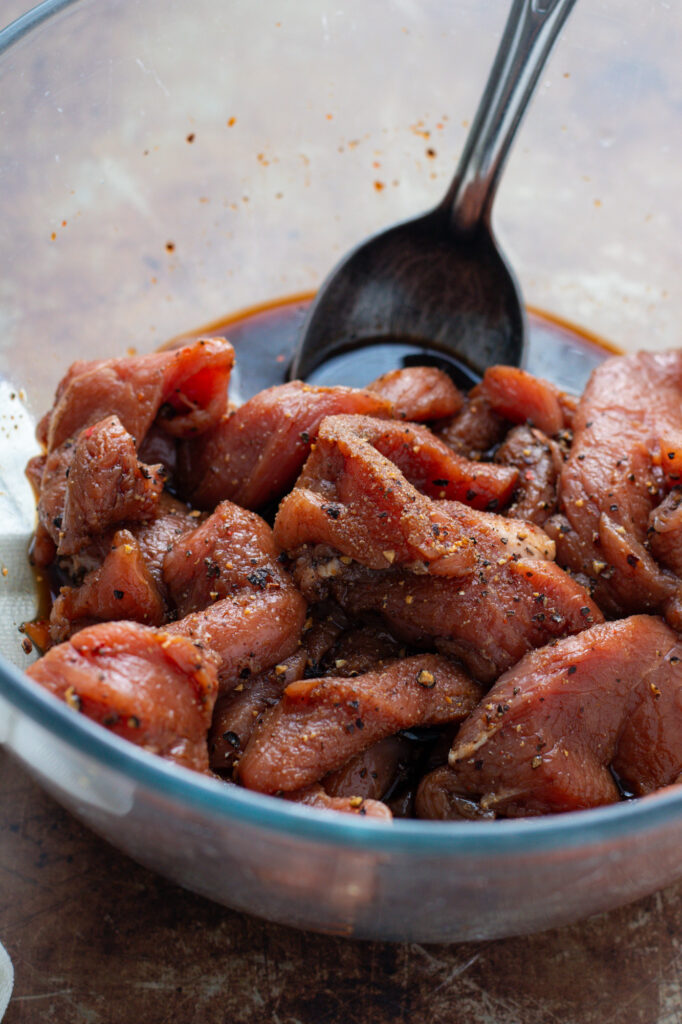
pixel 72 698
pixel 340 662
pixel 426 678
pixel 356 801
pixel 280 670
pixel 389 556
pixel 536 762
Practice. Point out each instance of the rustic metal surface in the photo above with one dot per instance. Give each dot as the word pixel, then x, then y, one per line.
pixel 96 939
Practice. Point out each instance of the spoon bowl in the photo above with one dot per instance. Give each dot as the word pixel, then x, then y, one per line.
pixel 418 284
pixel 440 281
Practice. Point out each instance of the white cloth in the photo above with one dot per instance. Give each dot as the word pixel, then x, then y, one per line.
pixel 6 980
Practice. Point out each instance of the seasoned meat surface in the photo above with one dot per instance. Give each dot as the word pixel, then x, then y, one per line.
pixel 320 723
pixel 539 461
pixel 153 689
pixel 543 739
pixel 250 630
pixel 419 393
pixel 121 588
pixel 520 397
pixel 488 620
pixel 475 429
pixel 106 485
pixel 232 549
pixel 185 390
pixel 256 452
pixel 612 482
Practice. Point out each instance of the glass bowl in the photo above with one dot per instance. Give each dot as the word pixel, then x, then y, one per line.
pixel 164 164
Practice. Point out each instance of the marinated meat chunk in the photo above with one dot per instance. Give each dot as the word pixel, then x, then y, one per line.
pixel 256 452
pixel 106 486
pixel 232 549
pixel 250 630
pixel 372 773
pixel 419 393
pixel 153 689
pixel 122 588
pixel 361 649
pixel 665 532
pixel 543 739
pixel 233 594
pixel 321 723
pixel 184 390
pixel 520 397
pixel 476 429
pixel 315 796
pixel 237 712
pixel 612 482
pixel 156 536
pixel 353 496
pixel 438 798
pixel 488 620
pixel 539 462
pixel 426 462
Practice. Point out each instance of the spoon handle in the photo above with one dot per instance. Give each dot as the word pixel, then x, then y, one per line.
pixel 530 33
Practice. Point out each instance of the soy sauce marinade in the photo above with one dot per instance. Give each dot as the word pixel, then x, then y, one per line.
pixel 265 337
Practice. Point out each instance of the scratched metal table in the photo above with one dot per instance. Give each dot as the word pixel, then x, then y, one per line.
pixel 96 939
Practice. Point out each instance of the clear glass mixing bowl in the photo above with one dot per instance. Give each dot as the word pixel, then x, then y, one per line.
pixel 163 164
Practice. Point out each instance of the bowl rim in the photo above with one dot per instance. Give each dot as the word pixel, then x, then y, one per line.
pixel 18 28
pixel 572 831
pixel 575 831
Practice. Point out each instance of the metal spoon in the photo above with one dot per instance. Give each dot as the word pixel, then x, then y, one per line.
pixel 440 281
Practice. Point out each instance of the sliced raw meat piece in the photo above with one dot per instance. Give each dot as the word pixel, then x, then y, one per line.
pixel 438 798
pixel 237 712
pixel 665 532
pixel 520 397
pixel 419 393
pixel 315 796
pixel 320 724
pixel 612 481
pixel 153 689
pixel 352 494
pixel 250 631
pixel 476 429
pixel 184 389
pixel 539 462
pixel 106 486
pixel 361 649
pixel 426 462
pixel 233 548
pixel 488 620
pixel 122 588
pixel 543 738
pixel 371 773
pixel 512 599
pixel 156 537
pixel 256 452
